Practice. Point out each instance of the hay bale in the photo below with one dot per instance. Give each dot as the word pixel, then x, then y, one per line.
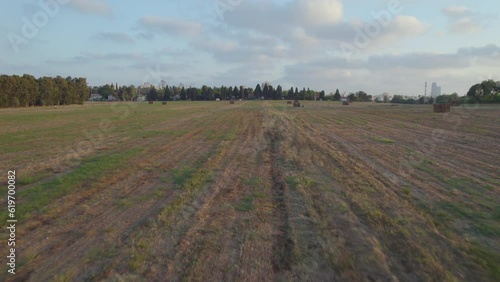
pixel 441 108
pixel 436 108
pixel 163 103
pixel 345 103
pixel 296 104
pixel 151 102
pixel 288 102
pixel 231 102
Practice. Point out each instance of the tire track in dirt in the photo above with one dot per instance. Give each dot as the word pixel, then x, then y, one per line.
pixel 343 239
pixel 283 242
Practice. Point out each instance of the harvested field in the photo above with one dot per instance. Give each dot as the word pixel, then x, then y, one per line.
pixel 254 191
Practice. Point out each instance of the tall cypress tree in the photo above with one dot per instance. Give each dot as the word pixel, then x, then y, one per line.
pixel 258 91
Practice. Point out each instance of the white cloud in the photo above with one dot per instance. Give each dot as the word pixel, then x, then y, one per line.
pixel 464 25
pixel 91 6
pixel 407 25
pixel 393 72
pixel 461 19
pixel 456 11
pixel 171 26
pixel 87 57
pixel 318 12
pixel 117 37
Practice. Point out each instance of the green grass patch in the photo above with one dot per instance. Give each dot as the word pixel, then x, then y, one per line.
pixel 252 181
pixel 466 184
pixel 182 175
pixel 383 140
pixel 191 186
pixel 487 259
pixel 245 204
pixel 90 170
pixel 176 133
pixel 292 182
pixel 486 228
pixel 124 203
pixel 496 213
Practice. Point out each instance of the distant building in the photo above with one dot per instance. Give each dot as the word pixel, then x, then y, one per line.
pixel 95 97
pixel 435 90
pixel 112 98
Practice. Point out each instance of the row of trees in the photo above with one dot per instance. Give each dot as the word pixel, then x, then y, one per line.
pixel 487 91
pixel 26 90
pixel 122 93
pixel 265 91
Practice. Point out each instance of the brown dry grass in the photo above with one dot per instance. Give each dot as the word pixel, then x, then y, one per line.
pixel 260 191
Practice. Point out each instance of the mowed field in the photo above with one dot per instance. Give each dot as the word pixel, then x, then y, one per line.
pixel 255 191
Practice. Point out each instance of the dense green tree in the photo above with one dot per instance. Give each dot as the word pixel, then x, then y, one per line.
pixel 322 95
pixel 167 94
pixel 258 91
pixel 236 92
pixel 279 93
pixel 152 94
pixel 337 96
pixel 352 97
pixel 183 94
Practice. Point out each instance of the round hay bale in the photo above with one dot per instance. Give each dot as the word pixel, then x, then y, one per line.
pixel 163 103
pixel 151 102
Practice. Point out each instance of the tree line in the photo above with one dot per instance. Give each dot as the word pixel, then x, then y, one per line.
pixel 205 93
pixel 27 91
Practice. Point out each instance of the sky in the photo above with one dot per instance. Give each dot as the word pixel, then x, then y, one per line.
pixel 377 46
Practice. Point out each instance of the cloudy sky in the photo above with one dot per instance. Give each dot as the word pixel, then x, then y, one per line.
pixel 372 45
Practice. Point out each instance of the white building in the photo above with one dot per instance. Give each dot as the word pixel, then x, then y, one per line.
pixel 95 97
pixel 435 90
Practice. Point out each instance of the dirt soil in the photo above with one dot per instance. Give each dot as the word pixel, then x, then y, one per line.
pixel 262 191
